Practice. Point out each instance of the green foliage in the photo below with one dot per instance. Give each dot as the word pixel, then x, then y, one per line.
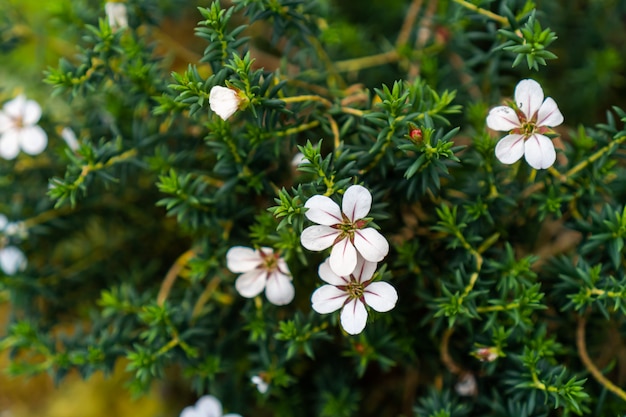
pixel 499 269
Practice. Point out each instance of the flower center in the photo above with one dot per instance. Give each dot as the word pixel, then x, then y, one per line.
pixel 270 261
pixel 355 289
pixel 528 128
pixel 18 122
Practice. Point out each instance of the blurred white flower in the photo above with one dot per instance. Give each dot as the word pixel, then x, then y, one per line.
pixel 466 385
pixel 12 228
pixel 298 159
pixel 352 293
pixel 344 229
pixel 69 137
pixel 19 129
pixel 206 406
pixel 12 260
pixel 526 125
pixel 116 14
pixel 224 101
pixel 261 270
pixel 260 383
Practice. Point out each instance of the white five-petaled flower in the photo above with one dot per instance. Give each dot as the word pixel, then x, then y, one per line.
pixel 344 229
pixel 261 270
pixel 206 406
pixel 19 129
pixel 527 126
pixel 224 101
pixel 117 15
pixel 352 293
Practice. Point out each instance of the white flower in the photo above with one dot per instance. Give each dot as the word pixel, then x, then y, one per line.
pixel 224 101
pixel 206 406
pixel 466 386
pixel 69 137
pixel 298 159
pixel 261 270
pixel 261 385
pixel 12 260
pixel 19 130
pixel 116 14
pixel 12 228
pixel 344 229
pixel 352 293
pixel 526 126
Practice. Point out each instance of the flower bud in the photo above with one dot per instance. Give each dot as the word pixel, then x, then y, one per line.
pixel 224 101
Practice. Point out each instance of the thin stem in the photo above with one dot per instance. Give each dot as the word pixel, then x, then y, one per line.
pixel 46 216
pixel 89 168
pixel 204 297
pixel 489 309
pixel 444 354
pixel 591 367
pixel 335 130
pixel 568 176
pixel 477 254
pixel 299 128
pixel 334 76
pixel 357 64
pixel 500 19
pixel 172 274
pixel 307 97
pixel 409 22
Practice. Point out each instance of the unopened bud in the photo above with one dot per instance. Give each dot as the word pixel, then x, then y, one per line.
pixel 416 134
pixel 486 354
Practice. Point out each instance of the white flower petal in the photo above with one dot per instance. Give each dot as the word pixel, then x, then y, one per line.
pixel 251 283
pixel 9 144
pixel 539 152
pixel 70 139
pixel 327 275
pixel 12 260
pixel 371 244
pixel 510 149
pixel 364 270
pixel 502 118
pixel 354 317
pixel 33 140
pixel 15 108
pixel 3 222
pixel 31 113
pixel 223 101
pixel 381 296
pixel 549 114
pixel 231 415
pixel 261 385
pixel 279 290
pixel 323 210
pixel 528 96
pixel 327 299
pixel 343 258
pixel 298 159
pixel 357 202
pixel 209 406
pixel 282 266
pixel 6 123
pixel 189 412
pixel 242 259
pixel 117 16
pixel 318 238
